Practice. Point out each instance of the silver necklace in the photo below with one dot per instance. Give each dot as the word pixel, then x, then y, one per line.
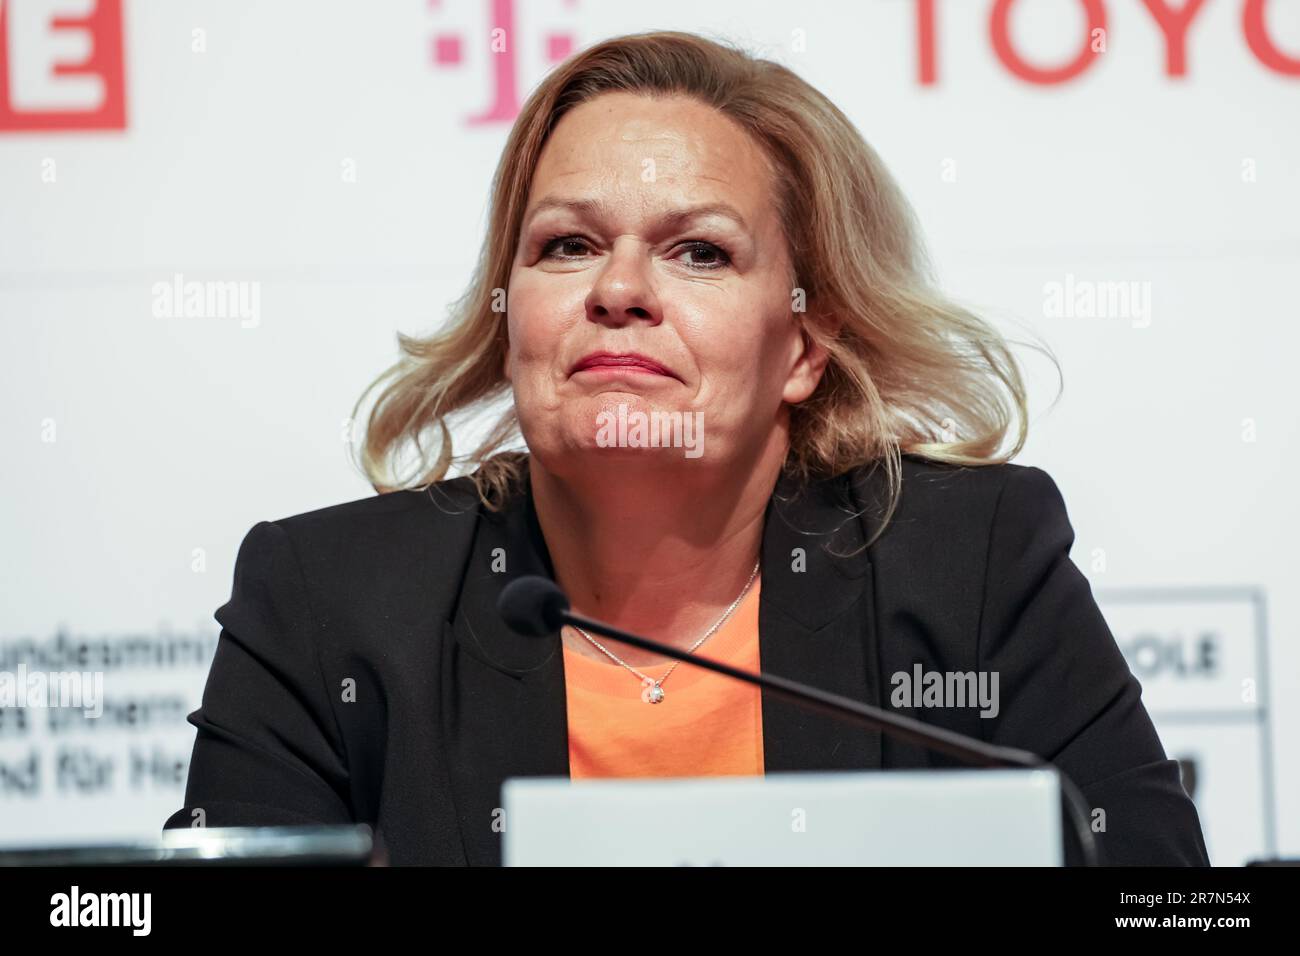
pixel 652 691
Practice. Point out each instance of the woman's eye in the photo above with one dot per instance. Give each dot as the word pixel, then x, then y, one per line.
pixel 573 247
pixel 561 242
pixel 715 258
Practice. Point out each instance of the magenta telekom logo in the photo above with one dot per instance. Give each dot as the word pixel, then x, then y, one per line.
pixel 448 45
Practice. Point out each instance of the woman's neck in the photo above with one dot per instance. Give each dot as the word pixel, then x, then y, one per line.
pixel 661 553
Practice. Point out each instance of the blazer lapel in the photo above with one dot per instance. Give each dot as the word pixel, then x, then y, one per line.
pixel 503 702
pixel 504 708
pixel 816 625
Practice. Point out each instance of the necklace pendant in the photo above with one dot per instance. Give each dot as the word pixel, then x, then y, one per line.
pixel 652 694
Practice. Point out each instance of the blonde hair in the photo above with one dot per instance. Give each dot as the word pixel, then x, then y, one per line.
pixel 909 371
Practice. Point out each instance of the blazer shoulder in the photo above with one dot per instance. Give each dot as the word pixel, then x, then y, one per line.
pixel 934 484
pixel 394 535
pixel 398 553
pixel 957 506
pixel 970 478
pixel 449 500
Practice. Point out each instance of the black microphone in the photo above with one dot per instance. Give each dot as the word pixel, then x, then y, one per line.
pixel 535 606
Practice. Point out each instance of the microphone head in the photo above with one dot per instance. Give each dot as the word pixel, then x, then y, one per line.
pixel 533 605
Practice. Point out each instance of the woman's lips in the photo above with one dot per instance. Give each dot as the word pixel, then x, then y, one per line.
pixel 612 364
pixel 620 370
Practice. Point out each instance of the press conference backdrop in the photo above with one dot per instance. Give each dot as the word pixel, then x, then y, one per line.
pixel 1118 179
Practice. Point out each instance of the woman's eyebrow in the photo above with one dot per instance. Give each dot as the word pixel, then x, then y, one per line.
pixel 596 208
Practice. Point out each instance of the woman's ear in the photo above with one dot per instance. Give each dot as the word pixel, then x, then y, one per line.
pixel 811 363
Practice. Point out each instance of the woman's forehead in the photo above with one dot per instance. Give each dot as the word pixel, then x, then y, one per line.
pixel 636 146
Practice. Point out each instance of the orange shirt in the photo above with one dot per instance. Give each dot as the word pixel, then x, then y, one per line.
pixel 706 725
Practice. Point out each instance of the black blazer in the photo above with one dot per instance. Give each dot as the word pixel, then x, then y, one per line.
pixel 393 597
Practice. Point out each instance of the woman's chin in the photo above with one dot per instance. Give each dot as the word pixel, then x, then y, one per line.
pixel 585 454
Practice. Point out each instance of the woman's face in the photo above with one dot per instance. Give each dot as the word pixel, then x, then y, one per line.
pixel 652 230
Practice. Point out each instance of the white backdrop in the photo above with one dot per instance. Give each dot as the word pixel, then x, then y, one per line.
pixel 334 157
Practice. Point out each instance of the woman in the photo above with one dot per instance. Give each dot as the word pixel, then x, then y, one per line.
pixel 754 429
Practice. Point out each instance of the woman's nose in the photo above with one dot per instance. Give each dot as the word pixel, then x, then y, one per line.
pixel 624 291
